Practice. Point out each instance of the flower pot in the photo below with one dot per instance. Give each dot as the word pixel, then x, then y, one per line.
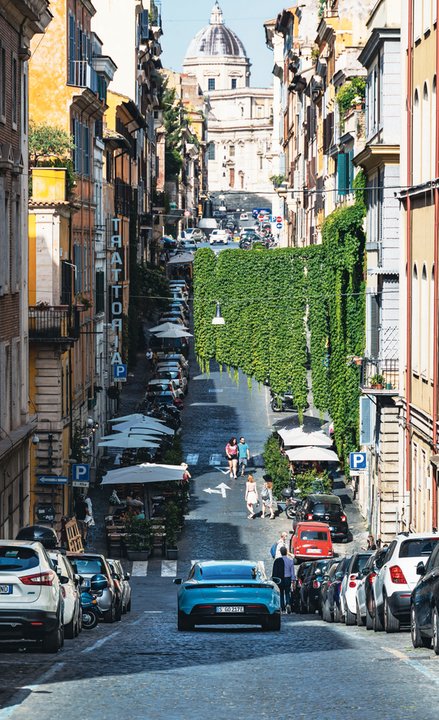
pixel 138 554
pixel 172 553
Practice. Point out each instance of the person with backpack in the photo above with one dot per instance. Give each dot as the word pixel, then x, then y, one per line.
pixel 282 542
pixel 283 568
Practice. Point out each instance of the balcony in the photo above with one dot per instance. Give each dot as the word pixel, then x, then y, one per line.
pixel 80 74
pixel 379 377
pixel 54 324
pixel 123 198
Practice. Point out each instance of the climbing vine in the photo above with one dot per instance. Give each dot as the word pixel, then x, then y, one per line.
pixel 290 309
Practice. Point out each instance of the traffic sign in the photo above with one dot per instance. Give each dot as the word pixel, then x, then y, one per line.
pixel 120 372
pixel 80 483
pixel 279 219
pixel 187 213
pixel 357 461
pixel 81 472
pixel 279 226
pixel 52 480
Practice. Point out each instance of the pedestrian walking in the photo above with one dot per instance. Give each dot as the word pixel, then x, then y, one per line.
pixel 267 499
pixel 251 496
pixel 371 544
pixel 149 356
pixel 81 510
pixel 289 576
pixel 232 456
pixel 243 455
pixel 282 542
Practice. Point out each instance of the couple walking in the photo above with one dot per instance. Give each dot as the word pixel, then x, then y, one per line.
pixel 252 498
pixel 238 455
pixel 283 571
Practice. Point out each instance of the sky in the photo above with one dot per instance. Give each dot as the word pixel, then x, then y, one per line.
pixel 181 20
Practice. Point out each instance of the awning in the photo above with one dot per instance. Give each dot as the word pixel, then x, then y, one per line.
pixel 312 454
pixel 185 258
pixel 298 437
pixel 143 474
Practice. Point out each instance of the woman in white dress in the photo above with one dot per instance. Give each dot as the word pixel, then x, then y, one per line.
pixel 251 495
pixel 267 499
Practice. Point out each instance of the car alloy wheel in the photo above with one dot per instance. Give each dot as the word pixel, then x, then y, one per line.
pixel 418 640
pixel 391 623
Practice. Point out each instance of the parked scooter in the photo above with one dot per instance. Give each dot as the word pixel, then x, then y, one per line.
pixel 291 502
pixel 90 589
pixel 282 402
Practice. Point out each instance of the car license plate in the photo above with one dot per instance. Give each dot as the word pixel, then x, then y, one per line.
pixel 314 550
pixel 230 609
pixel 5 589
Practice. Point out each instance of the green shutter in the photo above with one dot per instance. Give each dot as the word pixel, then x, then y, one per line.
pixel 341 173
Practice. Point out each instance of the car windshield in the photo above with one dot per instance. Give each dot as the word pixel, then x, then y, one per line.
pixel 321 508
pixel 313 535
pixel 417 547
pixel 232 572
pixel 88 566
pixel 17 558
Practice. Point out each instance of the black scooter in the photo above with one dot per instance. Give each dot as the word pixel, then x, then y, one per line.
pixel 282 402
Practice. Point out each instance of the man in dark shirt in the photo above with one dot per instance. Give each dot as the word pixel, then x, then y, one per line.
pixel 283 568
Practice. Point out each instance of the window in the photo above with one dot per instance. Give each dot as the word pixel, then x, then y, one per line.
pixel 211 151
pixel 72 49
pixel 211 84
pixel 2 84
pixel 261 162
pixel 5 239
pixel 99 292
pixel 232 177
pixel 15 239
pixel 234 81
pixel 426 147
pixel 14 87
pixel 416 138
pixel 417 19
pixel 433 130
pixel 431 325
pixel 415 320
pixel 86 145
pixel 231 151
pixel 426 10
pixel 423 329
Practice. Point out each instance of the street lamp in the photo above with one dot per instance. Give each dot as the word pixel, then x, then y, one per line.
pixel 218 319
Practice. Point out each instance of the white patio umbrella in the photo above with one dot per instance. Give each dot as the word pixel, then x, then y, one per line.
pixel 143 427
pixel 136 417
pixel 144 473
pixel 298 437
pixel 175 333
pixel 312 454
pixel 149 434
pixel 165 326
pixel 128 442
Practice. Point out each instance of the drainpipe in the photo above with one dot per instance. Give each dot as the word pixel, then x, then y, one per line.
pixel 435 281
pixel 408 391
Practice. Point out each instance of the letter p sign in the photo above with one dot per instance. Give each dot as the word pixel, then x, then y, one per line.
pixel 357 461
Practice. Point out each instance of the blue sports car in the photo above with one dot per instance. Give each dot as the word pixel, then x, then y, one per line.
pixel 228 592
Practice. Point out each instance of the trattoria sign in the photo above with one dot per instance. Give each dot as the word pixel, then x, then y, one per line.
pixel 116 275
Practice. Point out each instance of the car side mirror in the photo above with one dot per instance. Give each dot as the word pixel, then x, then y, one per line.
pixel 339 575
pixel 127 576
pixel 63 579
pixel 177 581
pixel 420 568
pixel 276 580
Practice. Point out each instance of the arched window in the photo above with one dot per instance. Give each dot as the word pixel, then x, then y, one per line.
pixel 415 320
pixel 431 326
pixel 416 144
pixel 423 326
pixel 433 130
pixel 426 136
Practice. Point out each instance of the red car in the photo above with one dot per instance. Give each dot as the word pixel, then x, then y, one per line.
pixel 311 541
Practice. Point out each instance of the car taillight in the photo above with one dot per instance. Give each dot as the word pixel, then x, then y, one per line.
pixel 309 516
pixel 343 518
pixel 397 576
pixel 299 582
pixel 371 577
pixel 45 578
pixel 352 581
pixel 315 584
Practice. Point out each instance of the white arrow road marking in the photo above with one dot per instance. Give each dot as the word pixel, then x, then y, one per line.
pixel 169 568
pixel 223 487
pixel 210 491
pixel 225 471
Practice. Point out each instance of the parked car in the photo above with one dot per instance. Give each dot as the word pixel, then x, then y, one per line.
pixel 310 590
pixel 327 509
pixel 424 604
pixel 173 357
pixel 122 585
pixel 296 597
pixel 219 236
pixel 71 594
pixel 330 591
pixel 348 590
pixel 31 601
pixel 180 307
pixel 89 564
pixel 39 533
pixel 172 374
pixel 163 392
pixel 172 365
pixel 188 245
pixel 311 540
pixel 227 592
pixel 366 578
pixel 198 235
pixel 397 578
pixel 169 243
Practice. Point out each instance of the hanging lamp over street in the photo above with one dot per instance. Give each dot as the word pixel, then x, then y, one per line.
pixel 218 319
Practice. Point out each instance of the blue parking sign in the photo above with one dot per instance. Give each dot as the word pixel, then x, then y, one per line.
pixel 81 471
pixel 357 461
pixel 120 372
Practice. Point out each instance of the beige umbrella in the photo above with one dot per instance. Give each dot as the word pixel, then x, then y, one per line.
pixel 144 473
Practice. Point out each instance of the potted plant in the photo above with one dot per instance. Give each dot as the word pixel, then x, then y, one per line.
pixel 138 540
pixel 377 381
pixel 172 524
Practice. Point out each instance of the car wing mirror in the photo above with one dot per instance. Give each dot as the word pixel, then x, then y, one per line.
pixel 127 576
pixel 177 581
pixel 77 578
pixel 63 579
pixel 420 568
pixel 276 580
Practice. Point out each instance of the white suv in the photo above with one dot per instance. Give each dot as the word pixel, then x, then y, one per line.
pixel 219 236
pixel 70 592
pixel 395 581
pixel 31 603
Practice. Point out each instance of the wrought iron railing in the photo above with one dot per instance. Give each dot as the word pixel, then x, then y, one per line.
pixel 379 374
pixel 80 73
pixel 53 324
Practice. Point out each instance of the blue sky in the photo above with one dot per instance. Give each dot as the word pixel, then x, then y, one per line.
pixel 181 20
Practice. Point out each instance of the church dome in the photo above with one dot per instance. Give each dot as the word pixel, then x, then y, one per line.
pixel 216 39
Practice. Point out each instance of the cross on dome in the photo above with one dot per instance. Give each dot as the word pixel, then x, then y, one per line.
pixel 216 16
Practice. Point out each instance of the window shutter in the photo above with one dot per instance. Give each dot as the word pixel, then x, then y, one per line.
pixel 72 48
pixel 350 171
pixel 367 421
pixel 341 173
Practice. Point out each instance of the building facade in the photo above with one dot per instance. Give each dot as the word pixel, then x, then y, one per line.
pixel 19 23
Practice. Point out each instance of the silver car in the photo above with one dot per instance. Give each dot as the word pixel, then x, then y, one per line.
pixel 89 564
pixel 122 579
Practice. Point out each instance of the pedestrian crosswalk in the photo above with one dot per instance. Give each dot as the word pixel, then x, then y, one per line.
pixel 166 568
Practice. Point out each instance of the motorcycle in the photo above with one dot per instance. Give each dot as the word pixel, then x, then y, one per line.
pixel 290 504
pixel 91 612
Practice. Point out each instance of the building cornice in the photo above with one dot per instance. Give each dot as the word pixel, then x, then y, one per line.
pixel 375 41
pixel 374 156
